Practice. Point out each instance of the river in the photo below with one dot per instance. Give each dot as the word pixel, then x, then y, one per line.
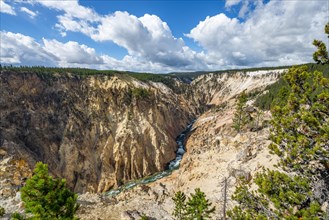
pixel 172 165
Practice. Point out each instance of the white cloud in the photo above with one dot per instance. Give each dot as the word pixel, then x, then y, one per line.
pixel 20 49
pixel 24 50
pixel 6 8
pixel 147 38
pixel 71 9
pixel 32 14
pixel 279 32
pixel 75 18
pixel 266 36
pixel 230 3
pixel 245 8
pixel 72 53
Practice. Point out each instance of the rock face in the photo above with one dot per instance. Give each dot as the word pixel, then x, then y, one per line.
pixel 215 151
pixel 101 131
pixel 97 131
pixel 214 89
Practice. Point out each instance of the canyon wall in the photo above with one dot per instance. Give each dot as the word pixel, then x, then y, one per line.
pixel 98 132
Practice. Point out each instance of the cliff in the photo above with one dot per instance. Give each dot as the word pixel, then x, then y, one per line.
pixel 102 131
pixel 215 152
pixel 96 131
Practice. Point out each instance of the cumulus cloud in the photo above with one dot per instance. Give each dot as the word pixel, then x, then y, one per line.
pixel 32 14
pixel 6 8
pixel 71 8
pixel 276 33
pixel 72 52
pixel 24 50
pixel 230 3
pixel 147 38
pixel 75 17
pixel 20 49
pixel 246 5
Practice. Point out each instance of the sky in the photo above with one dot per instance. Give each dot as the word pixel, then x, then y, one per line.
pixel 160 36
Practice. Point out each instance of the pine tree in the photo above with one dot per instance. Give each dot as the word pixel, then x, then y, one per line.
pixel 180 206
pixel 321 55
pixel 240 116
pixel 300 135
pixel 48 198
pixel 300 128
pixel 198 207
pixel 279 196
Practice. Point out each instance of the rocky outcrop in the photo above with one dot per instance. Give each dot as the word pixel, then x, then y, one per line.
pixel 109 129
pixel 98 132
pixel 215 152
pixel 214 89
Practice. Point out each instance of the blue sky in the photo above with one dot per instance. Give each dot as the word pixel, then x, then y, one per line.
pixel 160 36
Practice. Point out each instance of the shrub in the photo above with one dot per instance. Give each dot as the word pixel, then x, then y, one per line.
pixel 2 211
pixel 140 93
pixel 17 216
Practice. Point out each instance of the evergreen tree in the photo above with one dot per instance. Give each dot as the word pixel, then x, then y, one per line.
pixel 240 116
pixel 301 128
pixel 321 55
pixel 300 135
pixel 198 207
pixel 180 206
pixel 279 196
pixel 48 198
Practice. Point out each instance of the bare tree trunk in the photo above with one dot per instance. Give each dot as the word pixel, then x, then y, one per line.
pixel 225 198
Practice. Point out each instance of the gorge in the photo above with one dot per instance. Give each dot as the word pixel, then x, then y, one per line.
pixel 115 133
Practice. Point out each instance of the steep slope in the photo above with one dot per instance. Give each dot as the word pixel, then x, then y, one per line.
pixel 214 89
pixel 215 151
pixel 96 131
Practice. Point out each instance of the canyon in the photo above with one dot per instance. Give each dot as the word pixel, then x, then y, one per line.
pixel 102 131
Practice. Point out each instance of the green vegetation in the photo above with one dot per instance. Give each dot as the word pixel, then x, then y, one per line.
pixel 17 216
pixel 144 217
pixel 163 78
pixel 240 116
pixel 265 101
pixel 2 211
pixel 47 198
pixel 180 206
pixel 197 207
pixel 47 72
pixel 275 96
pixel 288 196
pixel 300 137
pixel 300 128
pixel 321 55
pixel 140 93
